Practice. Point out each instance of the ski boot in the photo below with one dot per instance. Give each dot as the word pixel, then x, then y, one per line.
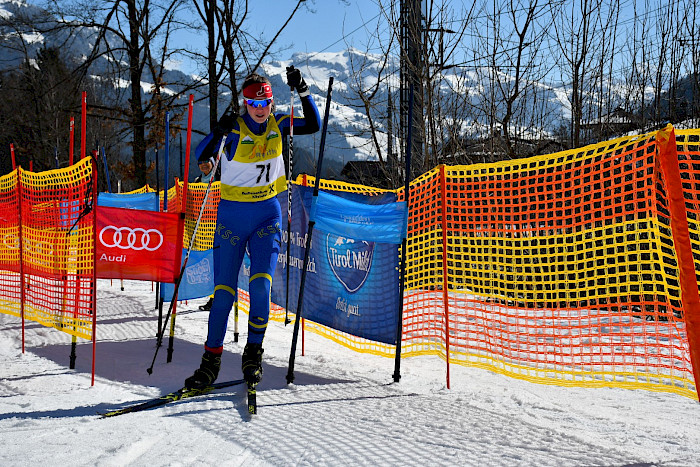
pixel 207 372
pixel 252 363
pixel 207 306
pixel 252 373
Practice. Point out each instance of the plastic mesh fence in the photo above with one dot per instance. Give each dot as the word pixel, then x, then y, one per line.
pixel 688 147
pixel 48 215
pixel 10 288
pixel 558 269
pixel 207 224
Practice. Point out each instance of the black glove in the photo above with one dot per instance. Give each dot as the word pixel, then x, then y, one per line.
pixel 294 80
pixel 222 128
pixel 225 123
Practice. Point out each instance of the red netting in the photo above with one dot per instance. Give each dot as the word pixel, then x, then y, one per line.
pixel 47 217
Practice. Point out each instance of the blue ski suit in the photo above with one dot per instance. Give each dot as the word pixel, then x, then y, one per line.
pixel 252 174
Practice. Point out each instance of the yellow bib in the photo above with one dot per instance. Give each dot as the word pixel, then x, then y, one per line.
pixel 256 171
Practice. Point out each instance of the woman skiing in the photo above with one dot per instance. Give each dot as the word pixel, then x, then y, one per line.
pixel 252 174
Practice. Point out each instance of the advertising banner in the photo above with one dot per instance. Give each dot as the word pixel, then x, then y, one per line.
pixel 144 201
pixel 352 284
pixel 138 245
pixel 197 280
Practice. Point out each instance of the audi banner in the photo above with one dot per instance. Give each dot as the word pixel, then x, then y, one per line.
pixel 138 245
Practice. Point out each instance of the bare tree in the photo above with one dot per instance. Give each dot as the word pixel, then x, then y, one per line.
pixel 574 27
pixel 517 70
pixel 40 89
pixel 207 12
pixel 690 41
pixel 126 30
pixel 664 36
pixel 635 68
pixel 231 49
pixel 370 77
pixel 670 103
pixel 443 28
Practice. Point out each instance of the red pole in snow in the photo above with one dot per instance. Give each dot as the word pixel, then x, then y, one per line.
pixel 690 298
pixel 93 303
pixel 22 287
pixel 12 153
pixel 83 126
pixel 72 141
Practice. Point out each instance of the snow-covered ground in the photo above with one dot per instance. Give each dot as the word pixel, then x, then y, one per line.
pixel 342 410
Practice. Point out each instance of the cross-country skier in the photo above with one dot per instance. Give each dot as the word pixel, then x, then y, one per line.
pixel 252 174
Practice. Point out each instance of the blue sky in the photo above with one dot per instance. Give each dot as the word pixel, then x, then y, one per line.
pixel 320 26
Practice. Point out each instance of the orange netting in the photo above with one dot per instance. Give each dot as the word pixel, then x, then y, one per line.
pixel 195 196
pixel 47 252
pixel 207 224
pixel 557 269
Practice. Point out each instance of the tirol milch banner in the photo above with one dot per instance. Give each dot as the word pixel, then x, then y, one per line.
pixel 197 278
pixel 352 285
pixel 139 245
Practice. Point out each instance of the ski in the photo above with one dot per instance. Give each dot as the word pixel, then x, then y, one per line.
pixel 252 399
pixel 180 394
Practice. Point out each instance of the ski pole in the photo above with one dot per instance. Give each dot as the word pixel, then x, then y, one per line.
pixel 402 271
pixel 289 202
pixel 187 255
pixel 310 231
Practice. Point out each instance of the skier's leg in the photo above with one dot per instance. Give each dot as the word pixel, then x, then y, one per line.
pixel 229 248
pixel 264 246
pixel 264 249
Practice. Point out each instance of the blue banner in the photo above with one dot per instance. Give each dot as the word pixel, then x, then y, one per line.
pixel 381 223
pixel 68 213
pixel 352 284
pixel 197 280
pixel 143 201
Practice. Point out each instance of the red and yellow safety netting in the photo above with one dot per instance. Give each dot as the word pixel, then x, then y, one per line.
pixel 196 192
pixel 558 269
pixel 577 268
pixel 47 247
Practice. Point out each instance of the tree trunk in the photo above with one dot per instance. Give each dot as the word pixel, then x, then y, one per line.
pixel 138 118
pixel 209 6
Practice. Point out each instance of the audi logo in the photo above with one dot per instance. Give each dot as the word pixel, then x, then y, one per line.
pixel 127 238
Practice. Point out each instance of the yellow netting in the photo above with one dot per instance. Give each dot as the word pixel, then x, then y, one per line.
pixel 49 215
pixel 207 224
pixel 688 144
pixel 557 269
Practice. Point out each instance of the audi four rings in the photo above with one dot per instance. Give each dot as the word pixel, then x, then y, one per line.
pixel 127 238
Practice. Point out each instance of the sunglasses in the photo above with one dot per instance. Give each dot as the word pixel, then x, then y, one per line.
pixel 258 103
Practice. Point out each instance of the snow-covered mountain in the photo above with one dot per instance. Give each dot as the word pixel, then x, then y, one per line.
pixel 349 136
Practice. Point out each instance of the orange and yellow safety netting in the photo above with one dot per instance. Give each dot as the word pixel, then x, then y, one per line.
pixel 47 247
pixel 559 269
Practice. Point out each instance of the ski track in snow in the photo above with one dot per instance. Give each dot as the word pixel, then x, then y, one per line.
pixel 342 410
